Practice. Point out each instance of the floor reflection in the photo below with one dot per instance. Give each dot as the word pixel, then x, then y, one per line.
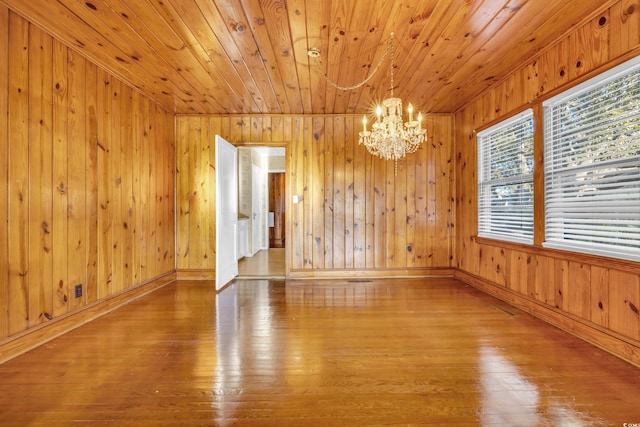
pixel 508 398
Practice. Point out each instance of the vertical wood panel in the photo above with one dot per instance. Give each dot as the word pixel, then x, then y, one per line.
pixel 369 207
pixel 497 262
pixel 164 230
pixel 4 172
pixel 92 179
pixel 599 296
pixel 170 233
pixel 60 149
pixel 154 146
pixel 308 194
pixel 544 279
pixel 195 206
pixel 317 185
pixel 162 148
pixel 431 181
pixel 76 171
pixel 359 201
pixel 516 271
pixel 127 207
pixel 146 206
pixel 182 182
pixel 466 200
pixel 400 211
pixel 555 67
pixel 116 176
pixel 589 46
pixel 531 276
pixel 561 283
pixel 135 220
pixel 208 181
pixel 347 166
pixel 578 295
pixel 105 184
pixel 442 162
pixel 625 27
pixel 419 206
pixel 256 128
pixel 624 300
pixel 40 177
pixel 339 202
pixel 379 206
pixel 390 214
pixel 411 214
pixel 18 174
pixel 329 173
pixel 297 177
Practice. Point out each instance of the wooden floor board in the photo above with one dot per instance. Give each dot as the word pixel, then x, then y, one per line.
pixel 265 264
pixel 318 353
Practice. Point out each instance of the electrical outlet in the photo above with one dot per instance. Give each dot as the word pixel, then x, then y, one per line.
pixel 79 290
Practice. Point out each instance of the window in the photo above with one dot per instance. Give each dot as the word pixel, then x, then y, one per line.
pixel 592 165
pixel 505 180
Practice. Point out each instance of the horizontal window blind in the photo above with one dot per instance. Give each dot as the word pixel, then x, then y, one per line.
pixel 505 180
pixel 592 166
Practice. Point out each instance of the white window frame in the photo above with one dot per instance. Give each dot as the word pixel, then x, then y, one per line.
pixel 592 198
pixel 503 222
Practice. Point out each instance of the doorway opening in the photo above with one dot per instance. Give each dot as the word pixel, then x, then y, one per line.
pixel 261 212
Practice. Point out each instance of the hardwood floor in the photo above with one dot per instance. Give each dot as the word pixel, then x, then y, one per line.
pixel 266 264
pixel 324 353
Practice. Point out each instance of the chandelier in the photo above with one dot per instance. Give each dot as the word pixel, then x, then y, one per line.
pixel 390 138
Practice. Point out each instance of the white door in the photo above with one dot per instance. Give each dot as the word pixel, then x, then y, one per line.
pixel 226 212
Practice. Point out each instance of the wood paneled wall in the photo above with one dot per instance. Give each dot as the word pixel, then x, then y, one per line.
pixel 593 297
pixel 86 181
pixel 356 217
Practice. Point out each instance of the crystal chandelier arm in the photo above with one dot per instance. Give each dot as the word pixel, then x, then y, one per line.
pixel 315 53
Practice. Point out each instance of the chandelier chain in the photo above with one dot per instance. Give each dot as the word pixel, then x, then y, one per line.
pixel 362 83
pixel 391 62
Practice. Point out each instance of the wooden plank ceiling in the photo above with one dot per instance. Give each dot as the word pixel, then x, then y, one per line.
pixel 250 56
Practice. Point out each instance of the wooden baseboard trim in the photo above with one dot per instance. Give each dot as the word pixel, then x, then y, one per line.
pixel 332 274
pixel 622 347
pixel 195 275
pixel 21 343
pixel 370 274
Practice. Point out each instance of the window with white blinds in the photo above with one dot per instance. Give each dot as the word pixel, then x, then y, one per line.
pixel 505 180
pixel 592 165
